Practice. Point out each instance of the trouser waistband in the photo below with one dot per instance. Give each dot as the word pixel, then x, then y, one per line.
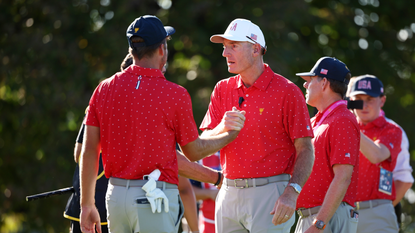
pixel 304 213
pixel 254 182
pixel 371 203
pixel 140 183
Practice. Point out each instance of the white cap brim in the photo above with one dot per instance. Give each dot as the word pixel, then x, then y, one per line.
pixel 220 37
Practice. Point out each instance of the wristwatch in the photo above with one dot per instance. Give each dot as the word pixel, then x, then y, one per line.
pixel 319 224
pixel 296 187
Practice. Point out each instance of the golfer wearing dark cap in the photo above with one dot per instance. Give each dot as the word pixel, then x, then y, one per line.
pixel 136 117
pixel 327 200
pixel 380 145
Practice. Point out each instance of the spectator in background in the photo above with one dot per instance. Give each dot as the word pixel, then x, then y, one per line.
pixel 402 174
pixel 380 145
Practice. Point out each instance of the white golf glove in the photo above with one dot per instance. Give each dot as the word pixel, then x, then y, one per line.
pixel 155 196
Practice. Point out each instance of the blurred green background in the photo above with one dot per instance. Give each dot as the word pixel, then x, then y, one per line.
pixel 54 53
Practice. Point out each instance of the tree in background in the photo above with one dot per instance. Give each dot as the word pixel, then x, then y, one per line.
pixel 54 53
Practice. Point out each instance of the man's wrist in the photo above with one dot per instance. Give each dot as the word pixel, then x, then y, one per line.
pixel 319 224
pixel 219 178
pixel 297 188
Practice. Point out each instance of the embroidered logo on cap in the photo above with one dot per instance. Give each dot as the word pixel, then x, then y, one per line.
pixel 136 29
pixel 233 27
pixel 254 37
pixel 323 71
pixel 364 84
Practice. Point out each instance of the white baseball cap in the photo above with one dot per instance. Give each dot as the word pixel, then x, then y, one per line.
pixel 241 30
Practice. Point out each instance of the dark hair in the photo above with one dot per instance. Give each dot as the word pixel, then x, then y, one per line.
pixel 146 51
pixel 338 86
pixel 128 61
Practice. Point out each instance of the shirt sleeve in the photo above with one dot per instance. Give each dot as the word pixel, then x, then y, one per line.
pixel 184 122
pixel 91 112
pixel 344 142
pixel 391 137
pixel 214 114
pixel 403 169
pixel 296 117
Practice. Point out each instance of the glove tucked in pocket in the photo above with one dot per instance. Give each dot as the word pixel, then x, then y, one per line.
pixel 155 196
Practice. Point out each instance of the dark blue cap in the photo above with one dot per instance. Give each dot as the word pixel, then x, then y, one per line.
pixel 329 67
pixel 150 28
pixel 367 85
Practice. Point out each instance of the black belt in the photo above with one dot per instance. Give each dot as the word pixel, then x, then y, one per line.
pixel 140 183
pixel 371 203
pixel 254 182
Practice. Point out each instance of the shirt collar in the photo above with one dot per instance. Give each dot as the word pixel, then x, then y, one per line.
pixel 148 72
pixel 320 114
pixel 263 80
pixel 378 122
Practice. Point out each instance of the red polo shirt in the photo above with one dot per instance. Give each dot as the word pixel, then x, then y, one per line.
pixel 389 135
pixel 336 141
pixel 140 124
pixel 276 114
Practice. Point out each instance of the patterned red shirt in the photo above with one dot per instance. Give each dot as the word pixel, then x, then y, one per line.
pixel 389 135
pixel 276 114
pixel 140 123
pixel 336 141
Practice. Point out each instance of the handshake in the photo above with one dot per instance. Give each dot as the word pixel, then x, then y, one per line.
pixel 154 195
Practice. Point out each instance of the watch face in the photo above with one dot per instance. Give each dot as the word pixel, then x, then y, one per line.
pixel 319 224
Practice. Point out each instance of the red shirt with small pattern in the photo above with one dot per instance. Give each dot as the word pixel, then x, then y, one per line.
pixel 141 116
pixel 276 115
pixel 336 141
pixel 390 135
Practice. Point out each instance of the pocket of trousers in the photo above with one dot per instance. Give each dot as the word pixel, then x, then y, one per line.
pixel 150 222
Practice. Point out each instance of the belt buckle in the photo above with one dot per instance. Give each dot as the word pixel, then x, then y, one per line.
pixel 241 187
pixel 300 213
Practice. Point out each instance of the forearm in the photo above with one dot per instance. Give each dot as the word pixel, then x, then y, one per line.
pixel 196 171
pixel 89 164
pixel 189 202
pixel 333 198
pixel 207 145
pixel 373 151
pixel 304 161
pixel 401 188
pixel 204 194
pixel 88 173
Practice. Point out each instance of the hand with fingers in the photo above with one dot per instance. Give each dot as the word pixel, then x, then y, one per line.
pixel 233 120
pixel 284 208
pixel 89 219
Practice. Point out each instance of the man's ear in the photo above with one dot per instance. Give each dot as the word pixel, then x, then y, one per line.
pixel 257 49
pixel 161 49
pixel 382 101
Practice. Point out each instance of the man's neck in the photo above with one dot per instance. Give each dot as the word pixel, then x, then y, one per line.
pixel 250 75
pixel 148 63
pixel 327 100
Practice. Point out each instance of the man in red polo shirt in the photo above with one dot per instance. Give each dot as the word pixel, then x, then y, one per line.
pixel 380 145
pixel 328 196
pixel 135 118
pixel 274 144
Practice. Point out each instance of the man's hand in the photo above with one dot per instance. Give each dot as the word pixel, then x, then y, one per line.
pixel 90 219
pixel 232 120
pixel 284 208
